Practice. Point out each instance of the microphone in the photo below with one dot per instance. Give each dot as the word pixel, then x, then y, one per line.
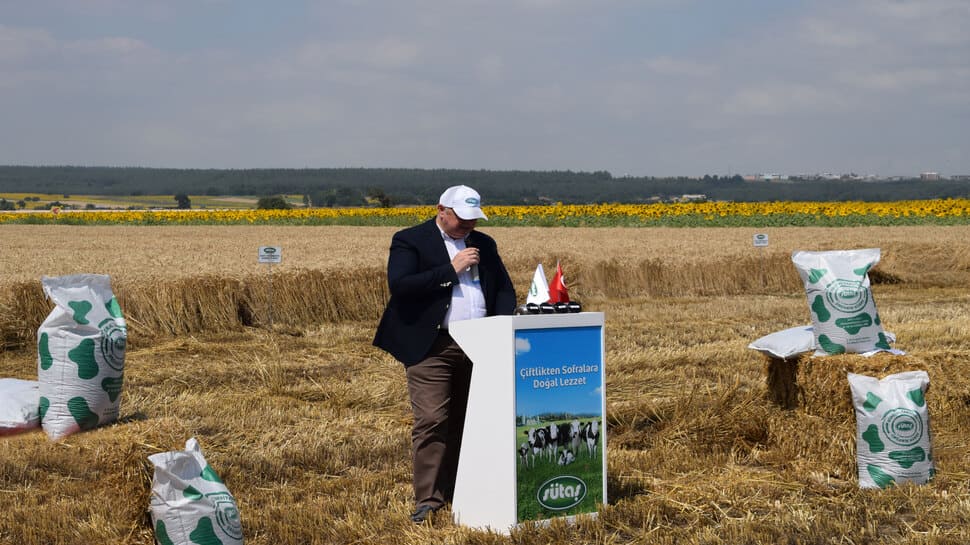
pixel 474 268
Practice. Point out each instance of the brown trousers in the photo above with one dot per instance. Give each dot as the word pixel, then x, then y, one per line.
pixel 438 388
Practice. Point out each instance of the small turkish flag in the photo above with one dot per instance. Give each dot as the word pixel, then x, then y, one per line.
pixel 557 288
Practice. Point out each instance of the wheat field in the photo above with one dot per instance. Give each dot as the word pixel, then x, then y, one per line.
pixel 309 425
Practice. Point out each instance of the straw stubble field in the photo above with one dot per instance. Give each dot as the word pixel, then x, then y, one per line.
pixel 308 424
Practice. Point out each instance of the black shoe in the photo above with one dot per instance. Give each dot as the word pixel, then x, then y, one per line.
pixel 421 513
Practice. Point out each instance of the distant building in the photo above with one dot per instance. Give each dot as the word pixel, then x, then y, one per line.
pixel 771 177
pixel 692 197
pixel 961 177
pixel 929 176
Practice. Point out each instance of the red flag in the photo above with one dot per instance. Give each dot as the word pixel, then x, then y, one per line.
pixel 557 288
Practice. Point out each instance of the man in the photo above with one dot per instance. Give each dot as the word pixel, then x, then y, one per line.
pixel 439 272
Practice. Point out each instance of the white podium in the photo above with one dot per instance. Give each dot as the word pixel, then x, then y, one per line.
pixel 538 382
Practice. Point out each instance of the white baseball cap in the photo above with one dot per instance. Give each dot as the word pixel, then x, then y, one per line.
pixel 465 201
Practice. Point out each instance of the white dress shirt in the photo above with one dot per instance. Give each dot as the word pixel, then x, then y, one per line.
pixel 467 298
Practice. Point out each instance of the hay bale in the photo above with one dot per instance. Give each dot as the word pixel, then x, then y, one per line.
pixel 819 387
pixel 23 306
pixel 825 385
pixel 821 433
pixel 782 379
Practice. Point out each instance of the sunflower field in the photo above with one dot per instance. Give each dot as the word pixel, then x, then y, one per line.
pixel 689 214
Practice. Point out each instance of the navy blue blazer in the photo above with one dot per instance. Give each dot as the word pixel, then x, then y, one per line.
pixel 420 278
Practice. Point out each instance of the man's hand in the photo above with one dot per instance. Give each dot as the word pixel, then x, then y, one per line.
pixel 465 259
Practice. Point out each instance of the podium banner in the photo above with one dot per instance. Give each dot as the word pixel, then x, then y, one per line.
pixel 559 426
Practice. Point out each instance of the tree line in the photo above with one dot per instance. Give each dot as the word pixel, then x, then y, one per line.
pixel 389 186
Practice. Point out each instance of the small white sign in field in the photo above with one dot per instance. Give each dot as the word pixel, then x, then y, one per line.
pixel 270 254
pixel 761 239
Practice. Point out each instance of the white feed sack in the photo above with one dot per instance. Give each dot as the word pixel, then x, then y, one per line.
pixel 189 503
pixel 844 315
pixel 80 355
pixel 792 342
pixel 19 405
pixel 786 343
pixel 892 429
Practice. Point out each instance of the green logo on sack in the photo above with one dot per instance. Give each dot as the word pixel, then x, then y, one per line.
pixel 114 339
pixel 161 534
pixel 853 324
pixel 818 305
pixel 112 387
pixel 902 426
pixel 816 274
pixel 190 492
pixel 880 477
pixel 113 308
pixel 44 352
pixel 86 419
pixel 846 295
pixel 830 346
pixel 871 436
pixel 210 474
pixel 917 397
pixel 227 514
pixel 562 492
pixel 906 458
pixel 81 310
pixel 83 356
pixel 204 533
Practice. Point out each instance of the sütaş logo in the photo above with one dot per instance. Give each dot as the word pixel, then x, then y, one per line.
pixel 471 201
pixel 114 335
pixel 846 295
pixel 227 514
pixel 562 492
pixel 903 426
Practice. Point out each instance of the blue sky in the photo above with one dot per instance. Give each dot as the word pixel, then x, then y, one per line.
pixel 647 87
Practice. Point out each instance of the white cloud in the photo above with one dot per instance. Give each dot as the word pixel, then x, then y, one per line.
pixel 522 346
pixel 629 99
pixel 933 22
pixel 387 53
pixel 290 113
pixel 490 68
pixel 836 33
pixel 18 45
pixel 916 10
pixel 108 45
pixel 392 52
pixel 776 99
pixel 551 99
pixel 896 80
pixel 680 67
